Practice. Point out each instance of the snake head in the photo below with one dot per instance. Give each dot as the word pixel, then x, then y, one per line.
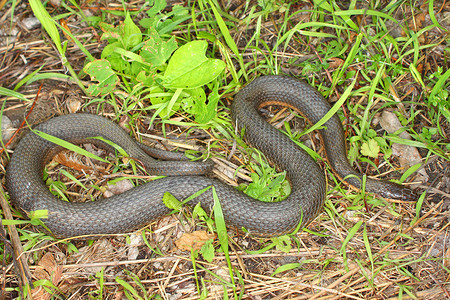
pixel 396 191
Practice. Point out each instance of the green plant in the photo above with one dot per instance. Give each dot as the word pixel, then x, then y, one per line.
pixel 140 292
pixel 159 67
pixel 50 26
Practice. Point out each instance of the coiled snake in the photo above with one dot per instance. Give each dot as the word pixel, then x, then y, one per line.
pixel 143 204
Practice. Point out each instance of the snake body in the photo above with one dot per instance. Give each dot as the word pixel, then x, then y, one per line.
pixel 143 204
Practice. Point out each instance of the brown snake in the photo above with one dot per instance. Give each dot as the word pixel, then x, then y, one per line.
pixel 143 204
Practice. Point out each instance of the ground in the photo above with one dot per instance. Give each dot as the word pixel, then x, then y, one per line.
pixel 393 55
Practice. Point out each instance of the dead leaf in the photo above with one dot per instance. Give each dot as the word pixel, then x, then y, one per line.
pixel 416 22
pixel 73 105
pixel 48 269
pixel 194 240
pixel 67 29
pixel 71 161
pixel 407 155
pixel 124 122
pixel 335 62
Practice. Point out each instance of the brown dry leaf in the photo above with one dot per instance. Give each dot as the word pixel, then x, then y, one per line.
pixel 194 240
pixel 48 269
pixel 66 27
pixel 71 161
pixel 416 22
pixel 420 68
pixel 335 62
pixel 73 104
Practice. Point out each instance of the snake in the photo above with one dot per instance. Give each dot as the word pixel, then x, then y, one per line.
pixel 142 205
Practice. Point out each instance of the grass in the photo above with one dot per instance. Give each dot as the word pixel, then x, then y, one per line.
pixel 366 58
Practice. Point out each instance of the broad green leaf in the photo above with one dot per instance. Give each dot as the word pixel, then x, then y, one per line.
pixel 156 51
pixel 171 202
pixel 156 7
pixel 208 251
pixel 282 243
pixel 145 77
pixel 190 68
pixel 370 148
pixel 110 32
pixel 117 62
pixel 130 33
pixel 101 71
pixel 196 104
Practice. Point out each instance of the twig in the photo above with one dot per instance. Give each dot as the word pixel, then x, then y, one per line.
pixel 23 123
pixel 20 261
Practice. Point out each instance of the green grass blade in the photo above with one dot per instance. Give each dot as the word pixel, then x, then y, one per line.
pixel 333 110
pixel 286 267
pixel 228 39
pixel 432 15
pixel 28 78
pixel 68 145
pixel 76 41
pixel 128 288
pixel 349 236
pixel 10 93
pixel 368 12
pixel 222 233
pixel 440 84
pixel 365 120
pixel 47 22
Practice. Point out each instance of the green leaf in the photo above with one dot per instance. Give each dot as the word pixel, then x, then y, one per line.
pixel 370 148
pixel 208 251
pixel 282 243
pixel 111 54
pixel 130 33
pixel 110 32
pixel 156 51
pixel 190 68
pixel 171 202
pixel 129 288
pixel 101 71
pixel 351 233
pixel 286 267
pixel 333 110
pixel 196 104
pixel 37 215
pixel 156 7
pixel 10 93
pixel 145 77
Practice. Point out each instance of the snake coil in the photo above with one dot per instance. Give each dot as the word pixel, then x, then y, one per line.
pixel 143 204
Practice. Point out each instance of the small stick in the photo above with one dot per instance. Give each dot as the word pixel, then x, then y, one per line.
pixel 23 123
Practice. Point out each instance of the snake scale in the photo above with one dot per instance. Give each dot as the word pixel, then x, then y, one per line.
pixel 143 204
